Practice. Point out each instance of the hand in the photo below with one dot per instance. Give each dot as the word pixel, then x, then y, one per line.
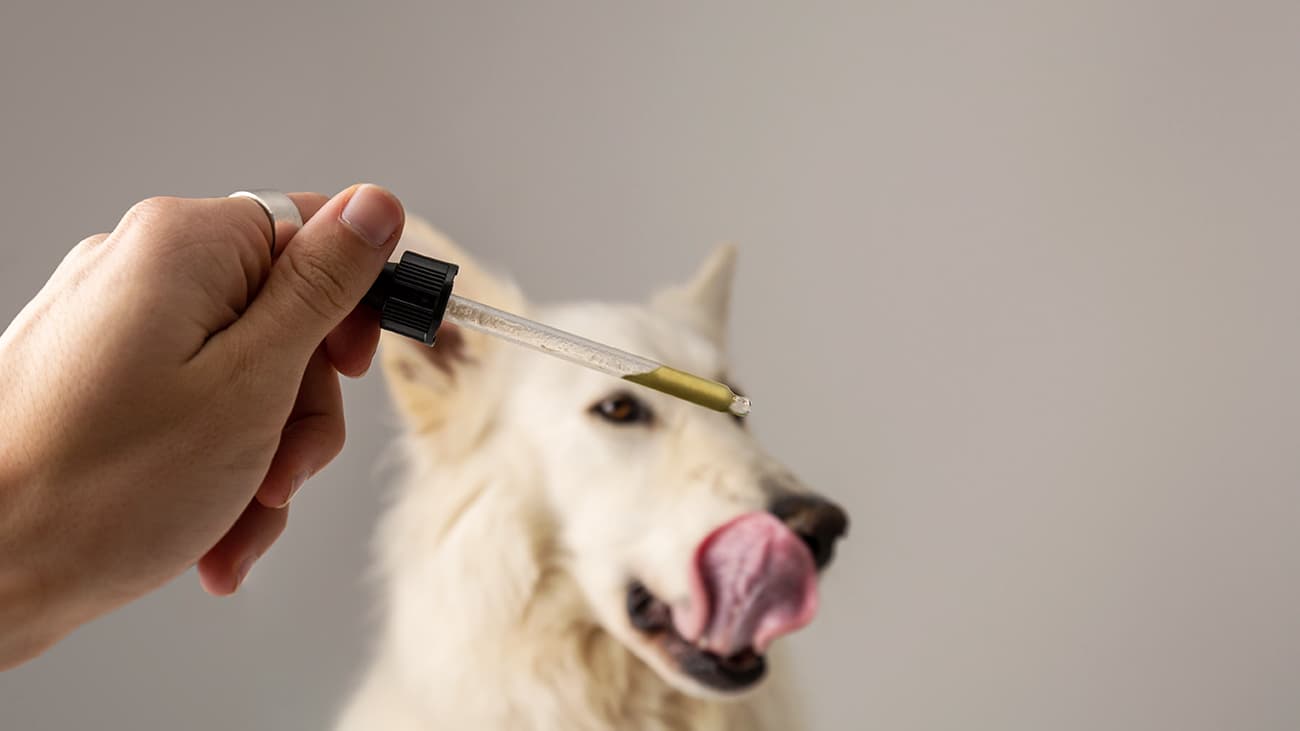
pixel 167 392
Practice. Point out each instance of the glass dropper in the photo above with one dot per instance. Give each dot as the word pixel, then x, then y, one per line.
pixel 594 355
pixel 414 296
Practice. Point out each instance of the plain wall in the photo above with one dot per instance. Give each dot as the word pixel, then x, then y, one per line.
pixel 1018 286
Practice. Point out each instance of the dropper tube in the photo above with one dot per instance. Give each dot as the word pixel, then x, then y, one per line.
pixel 413 296
pixel 594 355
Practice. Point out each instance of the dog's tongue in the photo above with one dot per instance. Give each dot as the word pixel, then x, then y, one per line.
pixel 754 581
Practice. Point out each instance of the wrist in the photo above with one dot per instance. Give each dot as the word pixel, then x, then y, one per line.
pixel 24 627
pixel 29 615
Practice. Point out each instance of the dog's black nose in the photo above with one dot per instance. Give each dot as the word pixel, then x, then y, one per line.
pixel 819 522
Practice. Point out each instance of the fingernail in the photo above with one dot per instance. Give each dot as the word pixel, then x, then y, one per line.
pixel 298 481
pixel 241 571
pixel 373 213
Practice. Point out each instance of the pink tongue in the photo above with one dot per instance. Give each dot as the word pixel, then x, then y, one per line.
pixel 754 581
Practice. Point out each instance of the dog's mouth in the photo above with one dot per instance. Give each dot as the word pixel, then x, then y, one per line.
pixel 752 581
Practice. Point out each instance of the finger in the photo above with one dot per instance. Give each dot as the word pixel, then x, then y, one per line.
pixel 242 223
pixel 246 211
pixel 235 235
pixel 313 436
pixel 258 259
pixel 224 567
pixel 320 277
pixel 351 345
pixel 308 204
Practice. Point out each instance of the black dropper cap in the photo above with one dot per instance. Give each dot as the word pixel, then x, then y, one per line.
pixel 411 295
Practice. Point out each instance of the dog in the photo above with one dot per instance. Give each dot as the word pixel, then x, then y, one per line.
pixel 571 552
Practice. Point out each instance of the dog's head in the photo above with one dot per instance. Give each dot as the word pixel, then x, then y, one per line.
pixel 690 544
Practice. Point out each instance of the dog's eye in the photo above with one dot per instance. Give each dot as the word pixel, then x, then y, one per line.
pixel 623 408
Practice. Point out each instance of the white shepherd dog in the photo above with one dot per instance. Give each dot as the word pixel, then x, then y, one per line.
pixel 571 552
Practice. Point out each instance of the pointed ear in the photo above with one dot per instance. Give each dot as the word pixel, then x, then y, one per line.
pixel 705 301
pixel 425 382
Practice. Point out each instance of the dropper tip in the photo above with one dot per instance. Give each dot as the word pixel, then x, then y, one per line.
pixel 740 406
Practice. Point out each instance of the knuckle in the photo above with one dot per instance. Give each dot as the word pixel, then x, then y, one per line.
pixel 336 437
pixel 327 438
pixel 153 222
pixel 248 230
pixel 84 250
pixel 91 242
pixel 250 235
pixel 151 212
pixel 276 529
pixel 326 434
pixel 317 284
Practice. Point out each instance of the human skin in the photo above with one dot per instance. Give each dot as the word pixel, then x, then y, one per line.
pixel 167 392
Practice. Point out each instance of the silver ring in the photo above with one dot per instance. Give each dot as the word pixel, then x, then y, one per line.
pixel 280 209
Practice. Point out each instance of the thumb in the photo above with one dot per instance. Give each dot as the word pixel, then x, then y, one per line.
pixel 321 276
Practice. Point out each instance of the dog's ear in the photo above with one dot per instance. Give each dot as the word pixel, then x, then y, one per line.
pixel 424 381
pixel 704 302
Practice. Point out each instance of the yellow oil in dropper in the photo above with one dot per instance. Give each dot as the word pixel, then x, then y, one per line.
pixel 702 391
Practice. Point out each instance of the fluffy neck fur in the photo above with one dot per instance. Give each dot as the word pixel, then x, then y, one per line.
pixel 484 629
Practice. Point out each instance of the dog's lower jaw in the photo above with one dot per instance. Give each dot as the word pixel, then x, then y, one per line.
pixel 391 701
pixel 544 675
pixel 480 633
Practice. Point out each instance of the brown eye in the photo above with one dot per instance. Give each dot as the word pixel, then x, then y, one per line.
pixel 623 408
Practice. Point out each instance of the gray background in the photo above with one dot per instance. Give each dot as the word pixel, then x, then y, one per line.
pixel 1039 325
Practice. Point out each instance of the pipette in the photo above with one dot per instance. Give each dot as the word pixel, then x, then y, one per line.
pixel 414 296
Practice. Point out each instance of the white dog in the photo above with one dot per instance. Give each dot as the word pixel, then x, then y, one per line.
pixel 570 552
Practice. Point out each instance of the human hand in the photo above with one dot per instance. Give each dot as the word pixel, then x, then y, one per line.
pixel 165 394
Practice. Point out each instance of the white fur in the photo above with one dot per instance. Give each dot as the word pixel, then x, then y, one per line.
pixel 521 517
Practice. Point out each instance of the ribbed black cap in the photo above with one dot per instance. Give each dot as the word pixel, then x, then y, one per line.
pixel 411 295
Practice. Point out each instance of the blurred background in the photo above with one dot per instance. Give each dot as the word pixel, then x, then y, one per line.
pixel 1018 286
